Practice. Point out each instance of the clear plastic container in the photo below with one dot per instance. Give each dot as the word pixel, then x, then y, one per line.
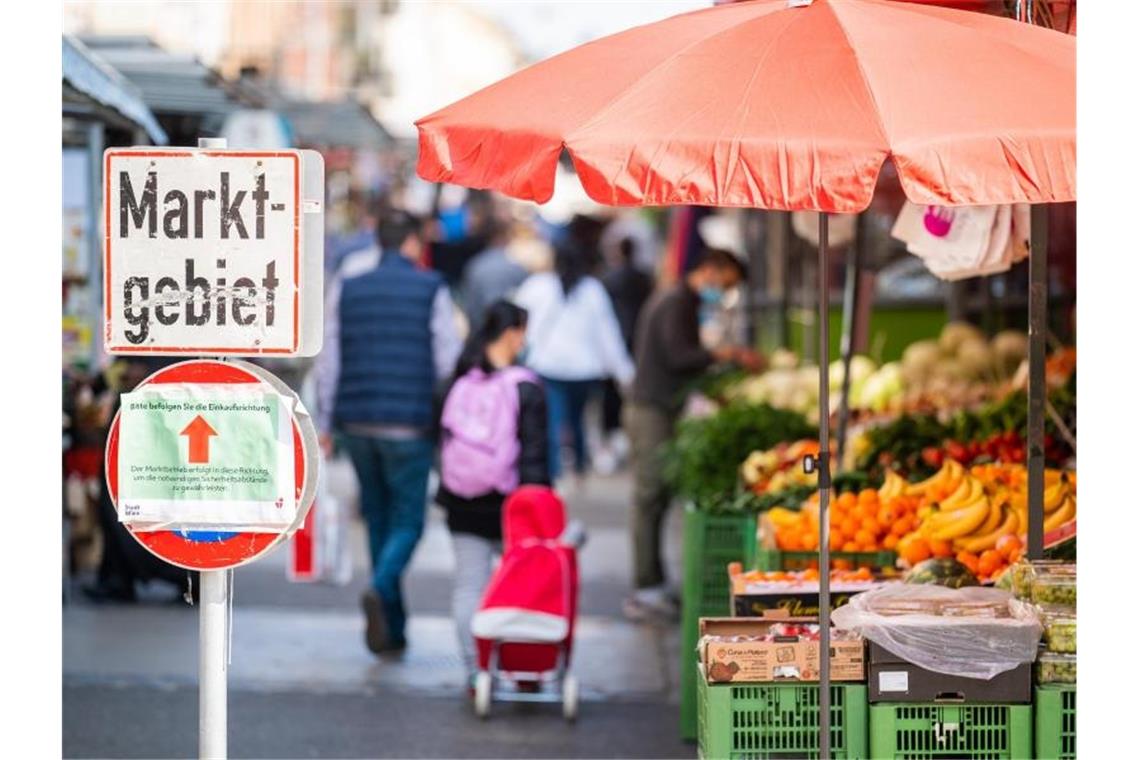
pixel 1060 630
pixel 1053 667
pixel 1056 586
pixel 1023 573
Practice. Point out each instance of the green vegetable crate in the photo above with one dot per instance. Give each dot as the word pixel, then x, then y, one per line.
pixel 1055 710
pixel 927 732
pixel 775 559
pixel 711 541
pixel 761 721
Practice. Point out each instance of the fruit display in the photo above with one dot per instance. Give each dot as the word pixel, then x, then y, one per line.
pixel 980 516
pixel 871 520
pixel 916 445
pixel 1060 629
pixel 779 468
pixel 942 571
pixel 1053 667
pixel 808 576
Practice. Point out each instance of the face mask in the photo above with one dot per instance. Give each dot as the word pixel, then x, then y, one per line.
pixel 711 295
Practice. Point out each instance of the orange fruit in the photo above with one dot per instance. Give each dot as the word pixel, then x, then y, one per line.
pixel 868 496
pixel 864 574
pixel 846 500
pixel 941 548
pixel 863 538
pixel 850 546
pixel 890 542
pixel 809 540
pixel 792 543
pixel 915 550
pixel 835 541
pixel 870 546
pixel 970 560
pixel 849 527
pixel 900 527
pixel 989 563
pixel 871 525
pixel 842 564
pixel 1007 545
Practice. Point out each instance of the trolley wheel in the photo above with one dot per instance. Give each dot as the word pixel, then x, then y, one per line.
pixel 570 697
pixel 483 694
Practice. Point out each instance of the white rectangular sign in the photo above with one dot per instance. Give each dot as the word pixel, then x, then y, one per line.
pixel 213 252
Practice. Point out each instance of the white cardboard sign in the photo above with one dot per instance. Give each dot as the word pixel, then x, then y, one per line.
pixel 213 252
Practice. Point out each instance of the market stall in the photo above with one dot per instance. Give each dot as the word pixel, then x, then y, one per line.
pixel 845 86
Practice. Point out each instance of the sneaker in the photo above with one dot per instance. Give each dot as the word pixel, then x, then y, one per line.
pixel 376 635
pixel 651 605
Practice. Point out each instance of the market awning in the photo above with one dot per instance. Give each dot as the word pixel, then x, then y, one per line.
pixel 171 83
pixel 87 76
pixel 334 124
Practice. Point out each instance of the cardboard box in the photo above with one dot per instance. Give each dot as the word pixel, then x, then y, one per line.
pixel 788 658
pixel 892 679
pixel 755 599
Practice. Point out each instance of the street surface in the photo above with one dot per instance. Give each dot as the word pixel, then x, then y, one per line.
pixel 302 684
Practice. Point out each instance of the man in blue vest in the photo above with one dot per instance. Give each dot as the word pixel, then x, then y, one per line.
pixel 390 337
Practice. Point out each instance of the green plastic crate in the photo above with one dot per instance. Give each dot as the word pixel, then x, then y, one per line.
pixel 775 559
pixel 759 721
pixel 1055 711
pixel 710 542
pixel 968 732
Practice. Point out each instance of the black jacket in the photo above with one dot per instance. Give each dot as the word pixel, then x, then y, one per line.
pixel 482 515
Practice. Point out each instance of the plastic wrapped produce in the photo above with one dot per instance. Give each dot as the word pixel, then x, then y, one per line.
pixel 1054 586
pixel 1053 667
pixel 972 632
pixel 1060 630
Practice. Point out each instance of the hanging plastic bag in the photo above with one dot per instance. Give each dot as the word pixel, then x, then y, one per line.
pixel 971 632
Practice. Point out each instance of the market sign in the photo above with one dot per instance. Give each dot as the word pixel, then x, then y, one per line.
pixel 211 464
pixel 213 252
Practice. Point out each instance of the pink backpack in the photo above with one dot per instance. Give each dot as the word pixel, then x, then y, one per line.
pixel 480 451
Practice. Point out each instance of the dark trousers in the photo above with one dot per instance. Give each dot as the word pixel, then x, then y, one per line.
pixel 611 407
pixel 393 475
pixel 649 428
pixel 565 407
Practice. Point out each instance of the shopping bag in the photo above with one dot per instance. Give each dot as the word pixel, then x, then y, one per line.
pixel 320 550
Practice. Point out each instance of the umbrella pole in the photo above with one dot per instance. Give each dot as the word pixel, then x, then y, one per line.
pixel 824 466
pixel 851 289
pixel 1035 438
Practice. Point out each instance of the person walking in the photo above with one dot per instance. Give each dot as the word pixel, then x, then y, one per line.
pixel 493 439
pixel 629 288
pixel 669 357
pixel 491 275
pixel 574 342
pixel 390 338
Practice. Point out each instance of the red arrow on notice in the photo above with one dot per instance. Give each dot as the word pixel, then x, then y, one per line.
pixel 199 432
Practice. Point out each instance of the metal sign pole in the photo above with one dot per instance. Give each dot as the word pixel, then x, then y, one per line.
pixel 213 610
pixel 824 499
pixel 1038 326
pixel 212 617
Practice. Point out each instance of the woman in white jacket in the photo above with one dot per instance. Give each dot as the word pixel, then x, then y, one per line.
pixel 573 342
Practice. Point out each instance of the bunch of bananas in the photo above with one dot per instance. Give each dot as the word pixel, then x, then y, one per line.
pixel 974 509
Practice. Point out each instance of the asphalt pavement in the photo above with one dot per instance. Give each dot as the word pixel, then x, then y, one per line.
pixel 302 684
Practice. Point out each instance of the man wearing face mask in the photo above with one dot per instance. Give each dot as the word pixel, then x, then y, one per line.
pixel 669 356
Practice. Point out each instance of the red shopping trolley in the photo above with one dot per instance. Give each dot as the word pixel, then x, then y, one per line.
pixel 525 624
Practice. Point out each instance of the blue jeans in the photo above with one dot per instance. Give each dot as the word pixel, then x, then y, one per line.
pixel 393 476
pixel 565 405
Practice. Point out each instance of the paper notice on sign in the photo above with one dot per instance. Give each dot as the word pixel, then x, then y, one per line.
pixel 207 457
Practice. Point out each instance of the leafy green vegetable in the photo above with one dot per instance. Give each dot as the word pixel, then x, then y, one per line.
pixel 703 459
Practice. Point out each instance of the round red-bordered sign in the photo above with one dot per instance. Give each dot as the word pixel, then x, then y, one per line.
pixel 219 550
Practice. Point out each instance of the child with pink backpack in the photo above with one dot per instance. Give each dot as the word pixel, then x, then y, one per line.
pixel 493 438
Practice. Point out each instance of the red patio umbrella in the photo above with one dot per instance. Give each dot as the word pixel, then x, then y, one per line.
pixel 782 104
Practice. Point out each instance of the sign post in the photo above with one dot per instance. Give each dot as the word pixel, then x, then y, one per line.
pixel 212 463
